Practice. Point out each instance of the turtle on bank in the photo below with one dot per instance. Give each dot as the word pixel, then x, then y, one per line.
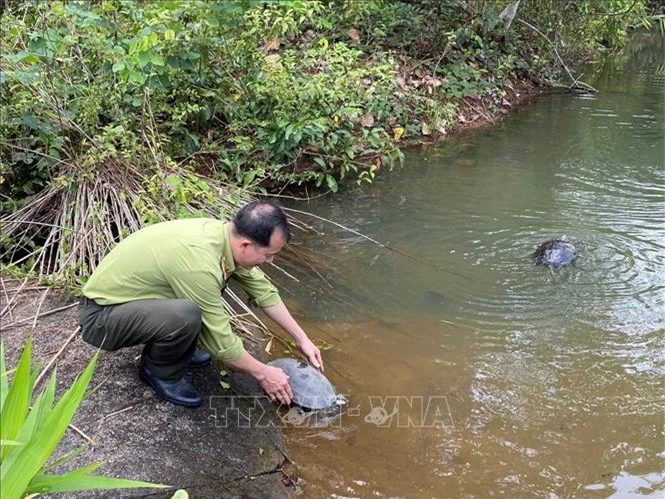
pixel 555 254
pixel 311 389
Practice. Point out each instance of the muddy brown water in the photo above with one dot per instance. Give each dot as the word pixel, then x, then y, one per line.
pixel 470 372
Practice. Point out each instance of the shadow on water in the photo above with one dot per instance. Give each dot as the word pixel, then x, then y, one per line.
pixel 499 376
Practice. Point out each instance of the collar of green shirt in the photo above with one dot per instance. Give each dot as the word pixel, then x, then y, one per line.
pixel 226 261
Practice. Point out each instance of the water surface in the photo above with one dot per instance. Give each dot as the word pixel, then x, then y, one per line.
pixel 469 371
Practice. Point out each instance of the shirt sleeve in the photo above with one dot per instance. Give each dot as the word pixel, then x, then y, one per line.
pixel 255 283
pixel 204 289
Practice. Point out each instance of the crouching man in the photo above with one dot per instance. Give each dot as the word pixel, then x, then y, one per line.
pixel 162 286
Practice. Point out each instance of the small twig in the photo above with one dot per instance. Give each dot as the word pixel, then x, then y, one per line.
pixel 8 306
pixel 296 198
pixel 81 433
pixel 339 225
pixel 44 314
pixel 4 290
pixel 281 340
pixel 443 53
pixel 55 357
pixel 39 307
pixel 91 392
pixel 109 416
pixel 285 272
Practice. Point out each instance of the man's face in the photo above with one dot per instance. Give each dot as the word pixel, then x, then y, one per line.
pixel 252 254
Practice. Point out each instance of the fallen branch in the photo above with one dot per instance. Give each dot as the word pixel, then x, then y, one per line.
pixel 576 82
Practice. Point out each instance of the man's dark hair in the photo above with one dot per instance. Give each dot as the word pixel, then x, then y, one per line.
pixel 259 219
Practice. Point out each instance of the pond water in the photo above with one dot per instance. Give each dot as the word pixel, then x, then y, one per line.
pixel 470 372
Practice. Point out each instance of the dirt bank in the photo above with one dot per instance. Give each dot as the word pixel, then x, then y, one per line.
pixel 206 451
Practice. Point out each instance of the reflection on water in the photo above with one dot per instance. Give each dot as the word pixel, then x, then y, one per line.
pixel 469 371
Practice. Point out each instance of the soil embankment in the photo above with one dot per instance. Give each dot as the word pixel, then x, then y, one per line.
pixel 205 451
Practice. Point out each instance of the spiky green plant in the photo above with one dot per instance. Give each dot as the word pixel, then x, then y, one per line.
pixel 29 435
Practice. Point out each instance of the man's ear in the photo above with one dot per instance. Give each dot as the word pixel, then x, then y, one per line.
pixel 245 243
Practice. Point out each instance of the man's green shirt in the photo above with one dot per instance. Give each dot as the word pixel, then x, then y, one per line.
pixel 181 259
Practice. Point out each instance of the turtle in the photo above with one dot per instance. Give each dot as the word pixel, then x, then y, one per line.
pixel 555 253
pixel 311 389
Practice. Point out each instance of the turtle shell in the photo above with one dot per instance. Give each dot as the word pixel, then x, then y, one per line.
pixel 311 389
pixel 556 253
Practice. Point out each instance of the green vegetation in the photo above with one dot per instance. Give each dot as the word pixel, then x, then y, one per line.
pixel 118 113
pixel 31 431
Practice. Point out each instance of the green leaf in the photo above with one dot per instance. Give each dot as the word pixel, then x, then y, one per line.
pixel 288 131
pixel 136 77
pixel 24 463
pixel 23 56
pixel 118 66
pixel 16 405
pixel 320 161
pixel 332 183
pixel 248 179
pixel 144 59
pixel 31 120
pixel 67 457
pixel 39 411
pixel 4 382
pixel 11 442
pixel 157 60
pixel 81 480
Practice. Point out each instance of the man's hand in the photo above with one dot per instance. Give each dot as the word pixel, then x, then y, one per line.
pixel 281 316
pixel 276 384
pixel 272 379
pixel 312 352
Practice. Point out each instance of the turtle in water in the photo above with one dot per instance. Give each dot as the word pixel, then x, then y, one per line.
pixel 555 254
pixel 311 389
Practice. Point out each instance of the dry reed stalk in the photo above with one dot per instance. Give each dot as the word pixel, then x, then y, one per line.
pixel 39 307
pixel 9 304
pixel 78 228
pixel 337 225
pixel 86 437
pixel 284 272
pixel 55 357
pixel 30 288
pixel 294 255
pixel 99 385
pixel 109 416
pixel 44 314
pixel 4 292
